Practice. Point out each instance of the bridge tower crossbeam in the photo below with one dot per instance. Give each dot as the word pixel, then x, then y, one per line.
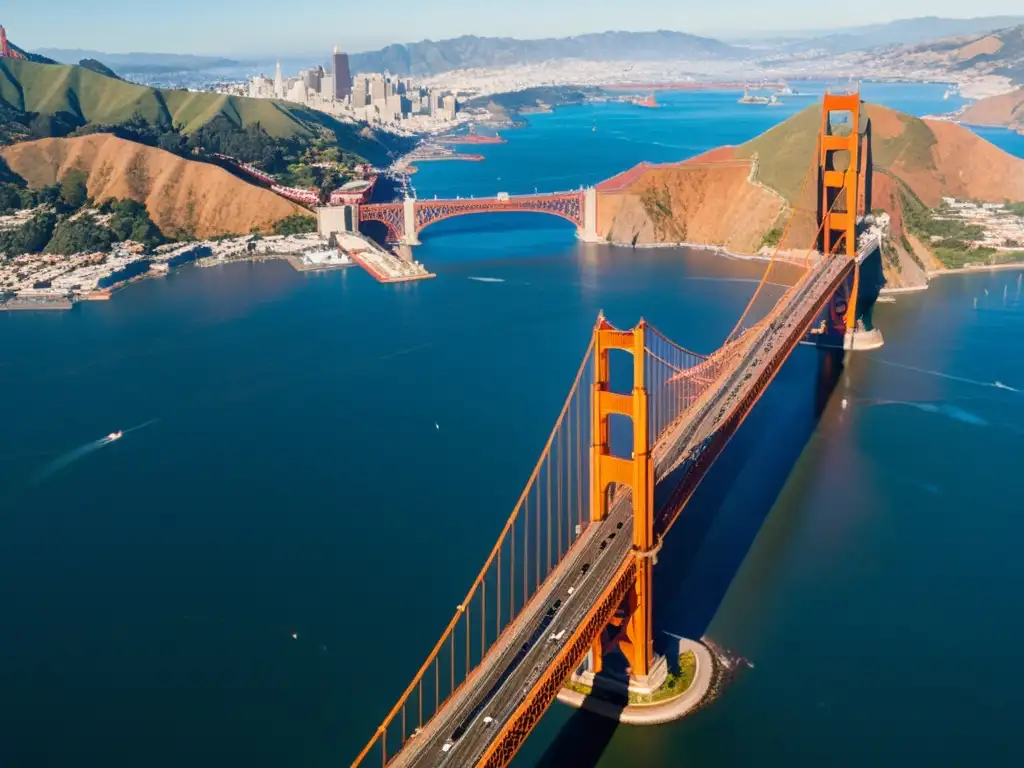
pixel 636 640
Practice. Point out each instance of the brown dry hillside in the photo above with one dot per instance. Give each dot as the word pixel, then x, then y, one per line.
pixel 1004 111
pixel 966 167
pixel 935 157
pixel 182 196
pixel 717 199
pixel 699 202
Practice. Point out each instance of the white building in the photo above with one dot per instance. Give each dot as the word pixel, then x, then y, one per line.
pixel 278 82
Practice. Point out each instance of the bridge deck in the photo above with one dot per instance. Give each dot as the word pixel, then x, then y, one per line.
pixel 508 674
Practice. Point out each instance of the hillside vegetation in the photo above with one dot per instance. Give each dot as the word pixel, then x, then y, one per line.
pixel 747 205
pixel 935 159
pixel 90 97
pixel 72 97
pixel 184 198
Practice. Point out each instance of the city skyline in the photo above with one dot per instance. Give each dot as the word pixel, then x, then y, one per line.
pixel 234 28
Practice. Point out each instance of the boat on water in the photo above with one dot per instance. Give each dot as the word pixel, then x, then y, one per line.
pixel 115 435
pixel 748 99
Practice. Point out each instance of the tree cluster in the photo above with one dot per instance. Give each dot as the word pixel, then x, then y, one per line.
pixel 66 196
pixel 82 234
pixel 138 129
pixel 130 221
pixel 30 237
pixel 296 224
pixel 250 144
pixel 57 229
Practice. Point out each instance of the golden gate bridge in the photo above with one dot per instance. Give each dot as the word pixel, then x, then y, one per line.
pixel 570 575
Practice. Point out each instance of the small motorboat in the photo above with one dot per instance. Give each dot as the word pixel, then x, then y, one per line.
pixel 115 435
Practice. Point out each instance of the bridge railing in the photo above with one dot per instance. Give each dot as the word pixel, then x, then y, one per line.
pixel 548 518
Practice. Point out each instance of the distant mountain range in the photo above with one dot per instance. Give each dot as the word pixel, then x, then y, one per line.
pixel 430 58
pixel 1001 53
pixel 996 53
pixel 140 63
pixel 901 32
pixel 34 57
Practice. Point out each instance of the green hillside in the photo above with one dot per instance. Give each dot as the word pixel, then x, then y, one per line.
pixel 94 98
pixel 68 97
pixel 786 151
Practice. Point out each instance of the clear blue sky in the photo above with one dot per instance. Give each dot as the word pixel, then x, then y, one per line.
pixel 280 27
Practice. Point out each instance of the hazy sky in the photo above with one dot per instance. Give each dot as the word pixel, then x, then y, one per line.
pixel 280 27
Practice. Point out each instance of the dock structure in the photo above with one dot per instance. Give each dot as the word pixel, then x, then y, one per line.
pixel 383 265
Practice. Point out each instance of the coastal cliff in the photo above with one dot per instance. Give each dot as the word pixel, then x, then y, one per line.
pixel 183 197
pixel 706 200
pixel 743 198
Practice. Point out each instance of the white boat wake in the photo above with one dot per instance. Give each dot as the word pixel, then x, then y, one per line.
pixel 992 384
pixel 488 279
pixel 943 409
pixel 62 462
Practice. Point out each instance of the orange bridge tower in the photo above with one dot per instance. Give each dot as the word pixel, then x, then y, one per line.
pixel 630 630
pixel 839 166
pixel 6 51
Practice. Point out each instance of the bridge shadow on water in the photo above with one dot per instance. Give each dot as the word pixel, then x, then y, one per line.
pixel 739 491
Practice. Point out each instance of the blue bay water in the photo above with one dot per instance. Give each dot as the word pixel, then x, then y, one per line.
pixel 289 480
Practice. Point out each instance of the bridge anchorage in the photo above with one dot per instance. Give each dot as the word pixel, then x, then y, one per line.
pixel 569 579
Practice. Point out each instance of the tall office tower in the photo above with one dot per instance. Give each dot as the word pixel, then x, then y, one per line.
pixel 377 92
pixel 313 79
pixel 342 76
pixel 360 92
pixel 278 82
pixel 327 86
pixel 450 107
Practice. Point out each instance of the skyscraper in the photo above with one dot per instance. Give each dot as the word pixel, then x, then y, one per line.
pixel 313 78
pixel 278 82
pixel 342 76
pixel 360 91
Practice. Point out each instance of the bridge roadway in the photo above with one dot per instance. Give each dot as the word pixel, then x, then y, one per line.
pixel 526 649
